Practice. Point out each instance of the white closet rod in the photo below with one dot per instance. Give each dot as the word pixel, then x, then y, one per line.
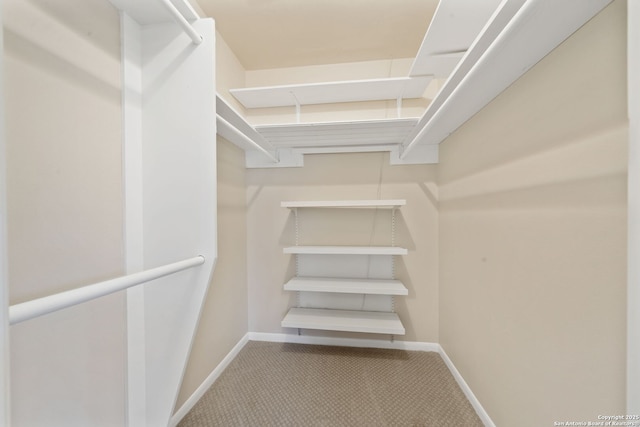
pixel 222 123
pixel 41 306
pixel 180 20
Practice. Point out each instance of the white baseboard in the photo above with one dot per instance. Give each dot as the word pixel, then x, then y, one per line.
pixel 208 382
pixel 345 342
pixel 484 417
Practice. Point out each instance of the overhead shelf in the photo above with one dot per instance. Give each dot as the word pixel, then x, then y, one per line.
pixel 518 35
pixel 481 47
pixel 348 133
pixel 454 27
pixel 347 286
pixel 344 320
pixel 332 92
pixel 345 204
pixel 345 250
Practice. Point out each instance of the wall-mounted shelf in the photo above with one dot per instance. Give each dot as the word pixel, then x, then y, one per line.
pixel 337 288
pixel 332 92
pixel 347 133
pixel 346 250
pixel 346 286
pixel 345 204
pixel 454 27
pixel 344 320
pixel 481 47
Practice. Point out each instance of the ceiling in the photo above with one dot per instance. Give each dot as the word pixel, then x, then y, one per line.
pixel 268 34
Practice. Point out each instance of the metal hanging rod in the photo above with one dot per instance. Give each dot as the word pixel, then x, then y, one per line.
pixel 180 20
pixel 41 306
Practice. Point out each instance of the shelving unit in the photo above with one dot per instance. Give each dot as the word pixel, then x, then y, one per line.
pixel 335 292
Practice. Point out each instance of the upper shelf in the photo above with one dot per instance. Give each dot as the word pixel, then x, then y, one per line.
pixel 345 204
pixel 454 27
pixel 354 133
pixel 332 92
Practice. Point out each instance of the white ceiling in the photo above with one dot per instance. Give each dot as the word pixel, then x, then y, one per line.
pixel 285 33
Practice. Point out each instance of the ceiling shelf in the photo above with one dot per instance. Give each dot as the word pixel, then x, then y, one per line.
pixel 489 44
pixel 349 133
pixel 454 27
pixel 346 286
pixel 332 92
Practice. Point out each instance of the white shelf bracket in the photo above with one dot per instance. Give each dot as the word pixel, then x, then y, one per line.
pixel 297 102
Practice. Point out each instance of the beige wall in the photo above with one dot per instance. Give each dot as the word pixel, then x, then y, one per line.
pixel 334 177
pixel 63 117
pixel 224 317
pixel 533 237
pixel 229 73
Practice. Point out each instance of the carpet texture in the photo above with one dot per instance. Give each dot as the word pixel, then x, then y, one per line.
pixel 276 384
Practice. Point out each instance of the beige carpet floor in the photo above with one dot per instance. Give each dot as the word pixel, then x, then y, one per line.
pixel 276 384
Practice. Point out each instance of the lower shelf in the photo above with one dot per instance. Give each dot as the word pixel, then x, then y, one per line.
pixel 344 320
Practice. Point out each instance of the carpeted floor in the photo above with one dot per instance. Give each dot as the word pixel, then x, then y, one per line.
pixel 276 384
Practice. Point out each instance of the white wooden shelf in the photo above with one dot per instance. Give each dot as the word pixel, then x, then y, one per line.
pixel 344 320
pixel 454 27
pixel 344 204
pixel 347 286
pixel 332 92
pixel 345 250
pixel 235 119
pixel 335 292
pixel 343 133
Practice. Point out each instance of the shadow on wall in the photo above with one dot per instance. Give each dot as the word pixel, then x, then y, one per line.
pixel 543 180
pixel 78 52
pixel 340 170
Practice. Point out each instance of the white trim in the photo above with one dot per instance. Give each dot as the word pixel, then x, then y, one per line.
pixel 344 342
pixel 130 36
pixel 5 395
pixel 633 231
pixel 208 382
pixel 484 417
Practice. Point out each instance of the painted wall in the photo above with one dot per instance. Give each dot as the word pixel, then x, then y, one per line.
pixel 533 237
pixel 224 317
pixel 63 115
pixel 335 177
